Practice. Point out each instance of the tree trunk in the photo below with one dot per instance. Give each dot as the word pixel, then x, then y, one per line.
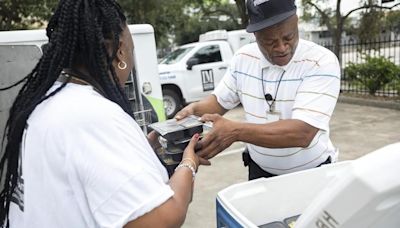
pixel 337 41
pixel 338 32
pixel 241 6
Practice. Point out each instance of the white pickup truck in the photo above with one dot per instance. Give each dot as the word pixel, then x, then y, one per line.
pixel 192 71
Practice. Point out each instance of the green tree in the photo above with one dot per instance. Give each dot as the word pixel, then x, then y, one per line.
pixel 393 21
pixel 173 20
pixel 370 26
pixel 25 14
pixel 221 16
pixel 181 20
pixel 374 21
pixel 333 19
pixel 161 14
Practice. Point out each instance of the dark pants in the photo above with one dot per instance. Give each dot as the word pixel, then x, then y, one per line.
pixel 255 171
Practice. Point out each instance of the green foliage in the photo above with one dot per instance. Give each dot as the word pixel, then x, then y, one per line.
pixel 336 21
pixel 393 21
pixel 159 13
pixel 174 21
pixel 204 21
pixel 396 83
pixel 397 86
pixel 370 26
pixel 25 14
pixel 374 73
pixel 374 21
pixel 181 21
pixel 324 16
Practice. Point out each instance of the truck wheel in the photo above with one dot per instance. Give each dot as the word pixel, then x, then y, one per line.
pixel 172 103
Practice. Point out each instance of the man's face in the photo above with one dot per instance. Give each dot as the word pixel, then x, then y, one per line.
pixel 278 42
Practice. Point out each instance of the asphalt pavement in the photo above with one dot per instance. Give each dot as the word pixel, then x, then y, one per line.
pixel 356 130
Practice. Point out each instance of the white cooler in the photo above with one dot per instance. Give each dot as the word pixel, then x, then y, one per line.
pixel 352 194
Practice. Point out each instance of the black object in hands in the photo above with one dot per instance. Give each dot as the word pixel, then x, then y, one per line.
pixel 174 138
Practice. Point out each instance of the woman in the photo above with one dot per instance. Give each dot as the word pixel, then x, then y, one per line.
pixel 74 157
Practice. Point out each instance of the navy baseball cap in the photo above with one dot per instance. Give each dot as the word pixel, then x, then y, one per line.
pixel 265 13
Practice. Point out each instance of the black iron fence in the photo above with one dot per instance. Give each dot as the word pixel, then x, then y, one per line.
pixel 355 52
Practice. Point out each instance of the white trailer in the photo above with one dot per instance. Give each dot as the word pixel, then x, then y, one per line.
pixel 20 51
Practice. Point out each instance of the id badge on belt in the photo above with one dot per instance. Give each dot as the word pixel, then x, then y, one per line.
pixel 272 114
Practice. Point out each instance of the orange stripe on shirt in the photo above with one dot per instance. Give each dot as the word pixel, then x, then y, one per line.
pixel 252 56
pixel 306 60
pixel 311 111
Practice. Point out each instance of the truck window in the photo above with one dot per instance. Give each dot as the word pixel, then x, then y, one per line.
pixel 208 54
pixel 176 55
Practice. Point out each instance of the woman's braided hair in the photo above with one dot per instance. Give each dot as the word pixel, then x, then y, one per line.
pixel 77 32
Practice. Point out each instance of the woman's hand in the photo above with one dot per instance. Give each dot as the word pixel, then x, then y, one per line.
pixel 190 154
pixel 152 137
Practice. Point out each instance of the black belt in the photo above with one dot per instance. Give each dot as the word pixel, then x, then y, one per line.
pixel 255 171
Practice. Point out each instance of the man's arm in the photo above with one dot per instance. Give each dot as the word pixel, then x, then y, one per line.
pixel 314 104
pixel 280 134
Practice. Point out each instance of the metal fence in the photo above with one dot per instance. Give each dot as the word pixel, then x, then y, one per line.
pixel 354 52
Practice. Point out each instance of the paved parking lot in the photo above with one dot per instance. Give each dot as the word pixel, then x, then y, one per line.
pixel 355 130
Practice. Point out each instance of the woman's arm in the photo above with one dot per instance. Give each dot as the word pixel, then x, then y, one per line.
pixel 172 213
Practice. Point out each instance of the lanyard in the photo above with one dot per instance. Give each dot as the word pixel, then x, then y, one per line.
pixel 268 97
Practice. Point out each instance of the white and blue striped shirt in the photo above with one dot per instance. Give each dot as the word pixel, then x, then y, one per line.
pixel 308 91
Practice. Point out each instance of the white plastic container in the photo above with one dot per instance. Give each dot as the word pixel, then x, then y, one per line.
pixel 368 196
pixel 265 200
pixel 360 193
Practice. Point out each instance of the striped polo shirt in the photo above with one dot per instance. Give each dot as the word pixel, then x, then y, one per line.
pixel 308 90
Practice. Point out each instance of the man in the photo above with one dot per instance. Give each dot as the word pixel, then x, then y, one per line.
pixel 288 88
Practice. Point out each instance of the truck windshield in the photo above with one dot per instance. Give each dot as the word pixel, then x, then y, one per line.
pixel 176 55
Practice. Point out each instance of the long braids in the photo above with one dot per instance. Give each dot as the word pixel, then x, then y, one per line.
pixel 77 32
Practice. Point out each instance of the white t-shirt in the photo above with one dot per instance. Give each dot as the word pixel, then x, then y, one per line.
pixel 86 163
pixel 306 89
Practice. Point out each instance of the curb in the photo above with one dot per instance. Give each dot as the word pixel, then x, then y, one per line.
pixel 368 102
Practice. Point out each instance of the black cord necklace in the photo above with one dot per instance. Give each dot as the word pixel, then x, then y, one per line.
pixel 268 97
pixel 83 78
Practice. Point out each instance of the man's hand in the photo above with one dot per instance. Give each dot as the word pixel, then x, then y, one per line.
pixel 204 106
pixel 223 134
pixel 186 111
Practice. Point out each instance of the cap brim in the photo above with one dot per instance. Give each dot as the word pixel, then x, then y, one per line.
pixel 269 21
